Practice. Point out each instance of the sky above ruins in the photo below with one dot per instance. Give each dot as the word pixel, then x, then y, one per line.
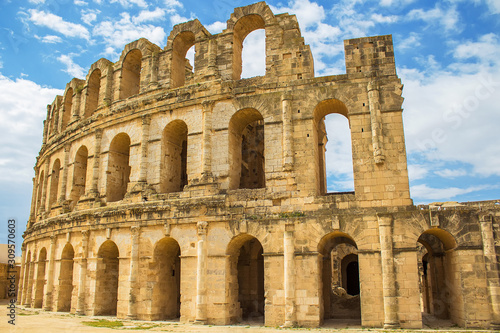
pixel 447 55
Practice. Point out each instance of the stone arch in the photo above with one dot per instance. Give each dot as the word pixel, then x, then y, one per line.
pixel 131 74
pixel 243 21
pixel 118 168
pixel 166 279
pixel 106 286
pixel 67 108
pixel 79 175
pixel 54 182
pixel 93 90
pixel 246 150
pixel 173 168
pixel 65 278
pixel 40 278
pixel 322 109
pixel 245 283
pixel 335 303
pixel 439 285
pixel 180 66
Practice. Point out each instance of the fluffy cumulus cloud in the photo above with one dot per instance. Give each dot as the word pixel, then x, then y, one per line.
pixel 89 15
pixel 130 3
pixel 448 18
pixel 216 27
pixel 58 24
pixel 147 16
pixel 72 68
pixel 49 39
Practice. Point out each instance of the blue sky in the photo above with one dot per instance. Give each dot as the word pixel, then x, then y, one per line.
pixel 447 55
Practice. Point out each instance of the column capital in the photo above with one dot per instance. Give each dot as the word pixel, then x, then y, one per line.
pixel 202 227
pixel 85 234
pixel 385 219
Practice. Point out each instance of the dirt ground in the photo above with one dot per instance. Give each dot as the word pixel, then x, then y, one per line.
pixel 38 321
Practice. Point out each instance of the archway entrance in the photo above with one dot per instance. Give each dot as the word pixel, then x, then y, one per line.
pixel 66 279
pixel 440 292
pixel 340 288
pixel 40 278
pixel 246 280
pixel 106 287
pixel 166 295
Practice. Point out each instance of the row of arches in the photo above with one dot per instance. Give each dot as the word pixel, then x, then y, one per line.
pixel 246 152
pixel 340 273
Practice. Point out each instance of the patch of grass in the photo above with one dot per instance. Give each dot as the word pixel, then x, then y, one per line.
pixel 143 327
pixel 27 313
pixel 104 323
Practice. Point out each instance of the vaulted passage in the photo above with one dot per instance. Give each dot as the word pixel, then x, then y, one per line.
pixel 118 168
pixel 166 269
pixel 54 183
pixel 246 150
pixel 441 292
pixel 340 286
pixel 246 281
pixel 106 287
pixel 131 74
pixel 40 279
pixel 66 279
pixel 173 169
pixel 93 88
pixel 79 175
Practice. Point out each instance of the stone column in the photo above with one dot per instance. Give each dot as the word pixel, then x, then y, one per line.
pixel 289 268
pixel 46 127
pixel 146 121
pixel 492 272
pixel 108 81
pixel 94 189
pixel 44 186
pixel 286 107
pixel 134 272
pixel 388 275
pixel 22 273
pixel 376 121
pixel 49 287
pixel 64 180
pixel 201 274
pixel 80 305
pixel 207 138
pixel 76 105
pixel 154 67
pixel 33 200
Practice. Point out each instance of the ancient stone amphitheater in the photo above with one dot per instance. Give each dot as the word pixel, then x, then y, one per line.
pixel 165 189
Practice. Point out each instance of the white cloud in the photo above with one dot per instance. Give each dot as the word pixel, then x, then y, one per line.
pixel 448 173
pixel 410 42
pixel 417 171
pixel 384 19
pixel 117 34
pixel 80 3
pixel 424 192
pixel 147 15
pixel 485 49
pixel 128 3
pixel 90 15
pixel 172 5
pixel 36 2
pixel 447 18
pixel 49 39
pixel 71 67
pixel 21 115
pixel 216 27
pixel 338 148
pixel 56 23
pixel 176 19
pixel 393 3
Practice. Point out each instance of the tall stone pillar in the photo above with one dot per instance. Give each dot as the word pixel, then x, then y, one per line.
pixel 146 121
pixel 76 106
pixel 207 138
pixel 388 274
pixel 44 187
pixel 492 271
pixel 49 287
pixel 134 272
pixel 201 274
pixel 33 200
pixel 286 107
pixel 376 121
pixel 289 268
pixel 64 180
pixel 82 276
pixel 154 68
pixel 22 272
pixel 94 189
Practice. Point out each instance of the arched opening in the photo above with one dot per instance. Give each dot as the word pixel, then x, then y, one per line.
pixel 118 168
pixel 246 150
pixel 182 70
pixel 54 182
pixel 39 190
pixel 246 280
pixel 93 87
pixel 166 265
pixel 79 175
pixel 67 108
pixel 242 28
pixel 339 158
pixel 253 57
pixel 106 287
pixel 173 168
pixel 340 301
pixel 131 74
pixel 66 279
pixel 28 280
pixel 40 278
pixel 440 289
